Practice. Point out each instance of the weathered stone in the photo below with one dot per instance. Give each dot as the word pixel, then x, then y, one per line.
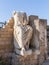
pixel 33 35
pixel 43 34
pixel 34 23
pixel 21 60
pixel 6 38
pixel 22 34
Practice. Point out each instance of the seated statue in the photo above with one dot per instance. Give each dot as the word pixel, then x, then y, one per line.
pixel 22 34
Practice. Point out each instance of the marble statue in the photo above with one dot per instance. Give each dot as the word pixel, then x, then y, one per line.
pixel 22 34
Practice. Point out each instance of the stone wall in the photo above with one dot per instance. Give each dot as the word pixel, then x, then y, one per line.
pixel 48 39
pixel 6 38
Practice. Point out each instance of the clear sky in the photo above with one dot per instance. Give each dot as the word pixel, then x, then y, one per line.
pixel 31 7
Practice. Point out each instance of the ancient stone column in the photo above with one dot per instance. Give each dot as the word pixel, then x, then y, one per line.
pixel 34 23
pixel 43 40
pixel 43 36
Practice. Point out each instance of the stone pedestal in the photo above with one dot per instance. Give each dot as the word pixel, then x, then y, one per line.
pixel 21 60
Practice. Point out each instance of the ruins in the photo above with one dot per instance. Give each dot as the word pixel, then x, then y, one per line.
pixel 23 40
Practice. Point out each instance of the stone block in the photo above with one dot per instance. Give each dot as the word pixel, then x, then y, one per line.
pixel 21 60
pixel 40 59
pixel 42 49
pixel 34 23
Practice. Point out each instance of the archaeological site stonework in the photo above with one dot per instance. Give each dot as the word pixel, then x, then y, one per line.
pixel 23 40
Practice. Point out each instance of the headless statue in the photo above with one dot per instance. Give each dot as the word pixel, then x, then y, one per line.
pixel 22 34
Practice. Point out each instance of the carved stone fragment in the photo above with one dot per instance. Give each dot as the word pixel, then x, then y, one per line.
pixel 22 34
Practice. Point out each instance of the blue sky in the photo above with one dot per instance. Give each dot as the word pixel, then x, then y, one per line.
pixel 31 7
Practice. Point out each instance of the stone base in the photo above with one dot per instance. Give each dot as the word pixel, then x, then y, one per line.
pixel 21 60
pixel 6 58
